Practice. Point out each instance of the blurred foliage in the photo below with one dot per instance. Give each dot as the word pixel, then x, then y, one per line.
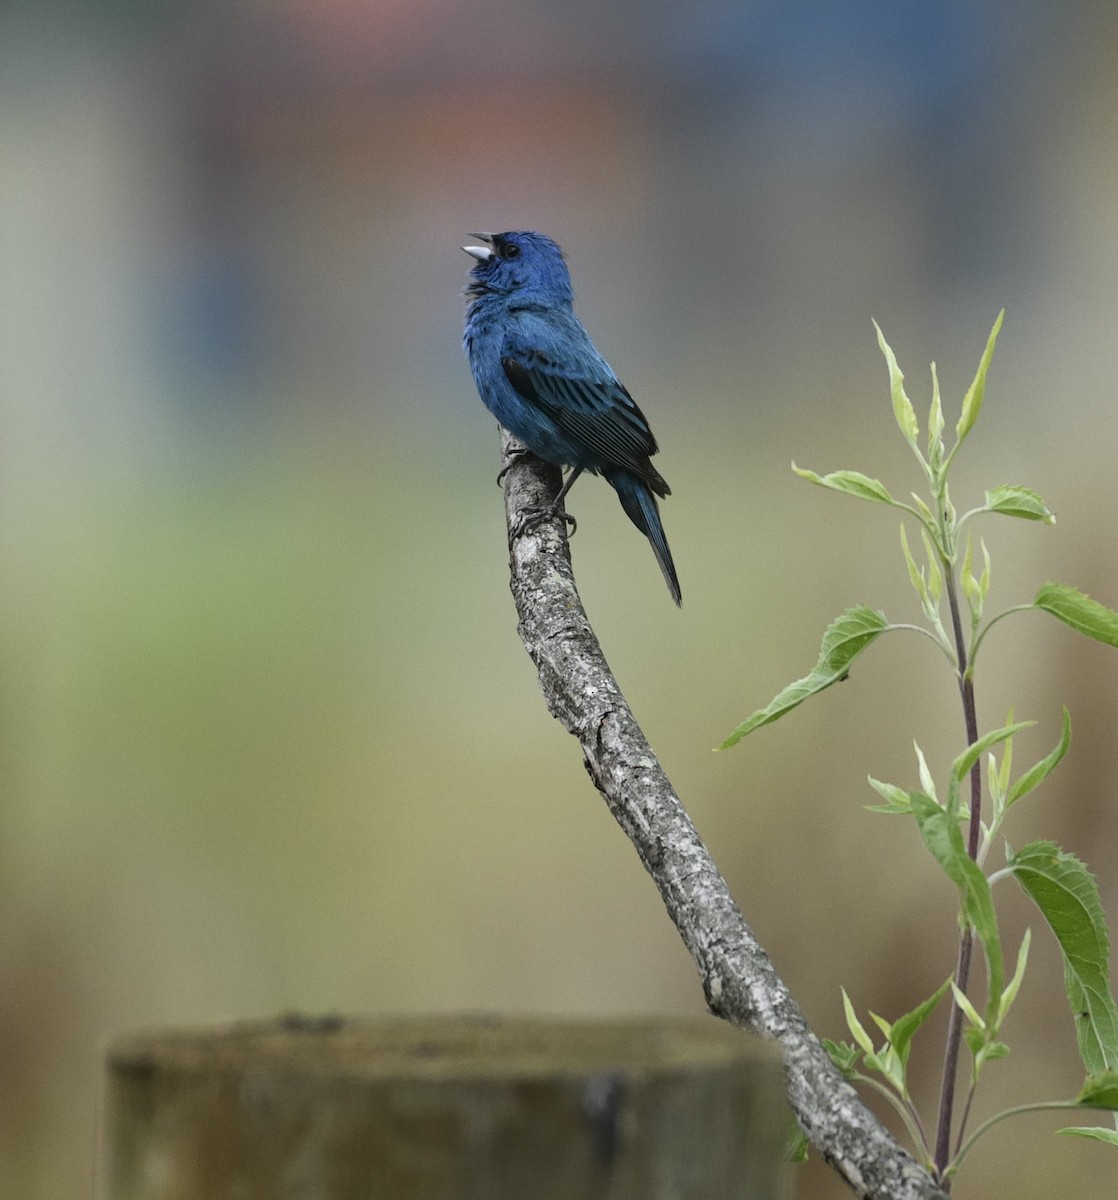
pixel 270 739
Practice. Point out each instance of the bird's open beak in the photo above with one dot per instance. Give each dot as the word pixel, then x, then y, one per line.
pixel 481 253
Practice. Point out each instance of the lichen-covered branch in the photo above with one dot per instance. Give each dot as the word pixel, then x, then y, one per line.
pixel 740 982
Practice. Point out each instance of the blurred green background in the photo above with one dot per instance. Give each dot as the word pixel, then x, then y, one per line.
pixel 269 739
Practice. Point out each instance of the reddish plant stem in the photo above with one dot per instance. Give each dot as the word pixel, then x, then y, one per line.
pixel 966 943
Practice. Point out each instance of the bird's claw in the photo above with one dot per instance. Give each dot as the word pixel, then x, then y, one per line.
pixel 515 455
pixel 530 518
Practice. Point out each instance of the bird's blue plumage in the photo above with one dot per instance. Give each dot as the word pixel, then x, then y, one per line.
pixel 541 376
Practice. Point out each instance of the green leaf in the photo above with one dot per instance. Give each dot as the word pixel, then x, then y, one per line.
pixel 798 1145
pixel 977 1025
pixel 994 1050
pixel 935 579
pixel 1015 501
pixel 1068 897
pixel 971 588
pixel 905 1027
pixel 855 1026
pixel 1007 760
pixel 897 799
pixel 902 405
pixel 935 423
pixel 1092 1131
pixel 845 638
pixel 885 1027
pixel 915 573
pixel 843 1054
pixel 940 832
pixel 962 765
pixel 853 483
pixel 1034 775
pixel 972 401
pixel 1101 1091
pixel 924 511
pixel 926 780
pixel 1088 616
pixel 1087 1035
pixel 975 1038
pixel 1014 985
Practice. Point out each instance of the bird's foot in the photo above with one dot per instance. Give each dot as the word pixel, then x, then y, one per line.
pixel 515 455
pixel 530 518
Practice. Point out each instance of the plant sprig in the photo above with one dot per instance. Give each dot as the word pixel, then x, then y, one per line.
pixel 957 832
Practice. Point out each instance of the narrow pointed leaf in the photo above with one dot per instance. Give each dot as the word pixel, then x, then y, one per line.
pixel 984 580
pixel 968 560
pixel 845 638
pixel 972 401
pixel 855 1026
pixel 1021 502
pixel 1068 897
pixel 940 832
pixel 905 1027
pixel 970 584
pixel 935 579
pixel 1092 1131
pixel 975 750
pixel 926 780
pixel 1007 762
pixel 997 789
pixel 978 1025
pixel 923 510
pixel 935 423
pixel 1005 770
pixel 1014 985
pixel 915 574
pixel 885 1027
pixel 1078 610
pixel 897 799
pixel 1035 774
pixel 853 483
pixel 902 405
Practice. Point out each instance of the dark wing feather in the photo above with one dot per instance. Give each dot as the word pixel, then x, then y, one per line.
pixel 598 413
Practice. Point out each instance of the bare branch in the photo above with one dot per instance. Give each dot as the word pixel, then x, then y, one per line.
pixel 740 983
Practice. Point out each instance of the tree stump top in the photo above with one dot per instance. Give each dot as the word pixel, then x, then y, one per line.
pixel 438 1048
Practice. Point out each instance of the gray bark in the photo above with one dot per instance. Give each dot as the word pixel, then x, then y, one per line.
pixel 739 980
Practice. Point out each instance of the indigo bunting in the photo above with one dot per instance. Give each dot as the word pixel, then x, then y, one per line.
pixel 540 375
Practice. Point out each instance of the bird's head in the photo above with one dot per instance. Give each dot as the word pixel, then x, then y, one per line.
pixel 526 264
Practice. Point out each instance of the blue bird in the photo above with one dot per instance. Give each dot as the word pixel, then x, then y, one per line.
pixel 540 375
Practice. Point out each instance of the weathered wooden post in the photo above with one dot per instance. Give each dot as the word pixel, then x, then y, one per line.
pixel 446 1109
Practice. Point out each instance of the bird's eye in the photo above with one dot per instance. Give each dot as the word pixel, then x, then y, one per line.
pixel 510 250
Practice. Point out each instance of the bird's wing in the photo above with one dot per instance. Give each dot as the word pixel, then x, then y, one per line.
pixel 589 404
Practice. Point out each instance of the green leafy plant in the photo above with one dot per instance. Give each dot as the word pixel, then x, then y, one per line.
pixel 961 826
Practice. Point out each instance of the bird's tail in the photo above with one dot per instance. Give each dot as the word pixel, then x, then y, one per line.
pixel 640 504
